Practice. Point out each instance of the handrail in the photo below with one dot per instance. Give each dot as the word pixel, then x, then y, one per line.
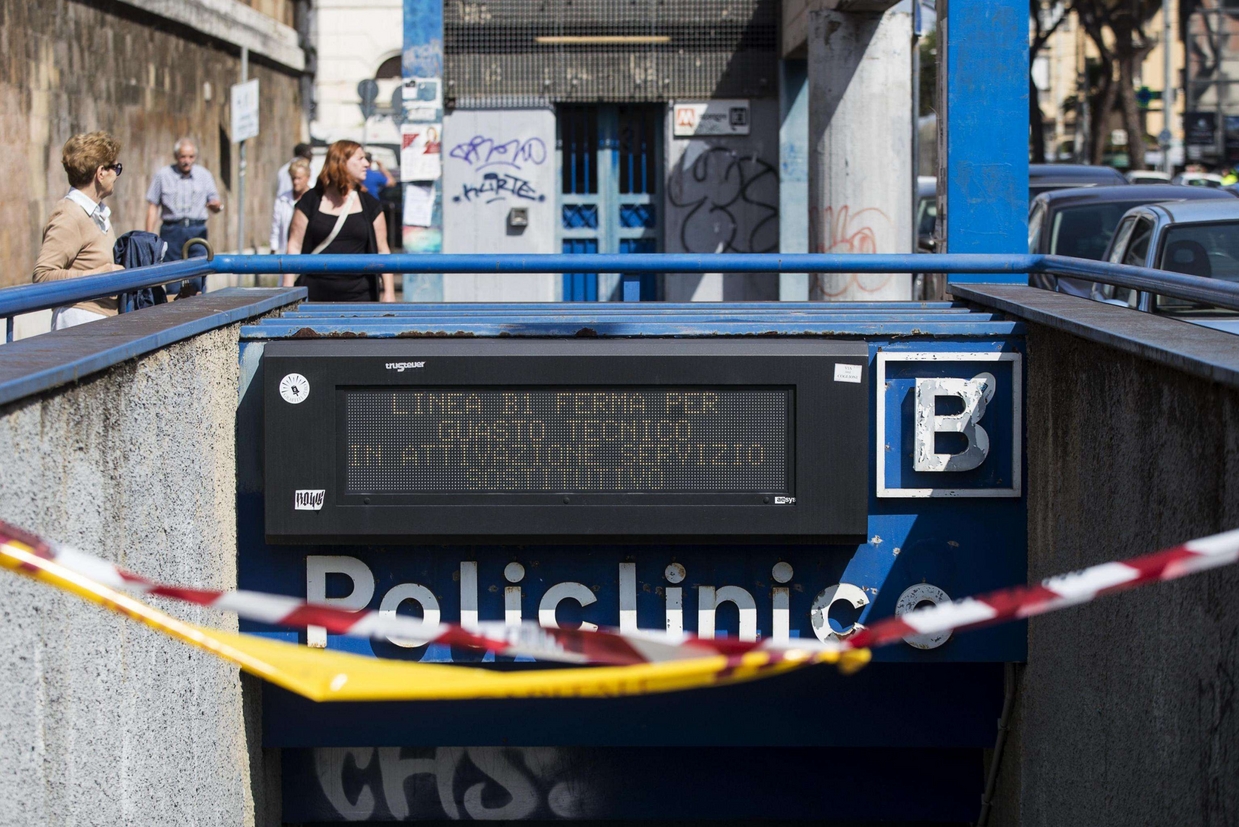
pixel 27 298
pixel 1176 285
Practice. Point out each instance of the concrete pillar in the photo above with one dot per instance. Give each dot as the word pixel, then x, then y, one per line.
pixel 793 172
pixel 860 143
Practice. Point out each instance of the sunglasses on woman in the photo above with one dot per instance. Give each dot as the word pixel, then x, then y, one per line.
pixel 118 166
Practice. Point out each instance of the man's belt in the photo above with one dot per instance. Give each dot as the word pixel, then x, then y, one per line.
pixel 185 222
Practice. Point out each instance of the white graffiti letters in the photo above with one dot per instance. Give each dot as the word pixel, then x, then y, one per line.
pixel 500 784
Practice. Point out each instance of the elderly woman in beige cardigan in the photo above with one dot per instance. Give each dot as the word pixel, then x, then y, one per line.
pixel 78 238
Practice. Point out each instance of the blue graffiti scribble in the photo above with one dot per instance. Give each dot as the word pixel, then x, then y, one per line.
pixel 481 152
pixel 497 186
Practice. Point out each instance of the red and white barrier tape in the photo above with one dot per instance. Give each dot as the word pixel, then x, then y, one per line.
pixel 612 647
pixel 527 639
pixel 1055 593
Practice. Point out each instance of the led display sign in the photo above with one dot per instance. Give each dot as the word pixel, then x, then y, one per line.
pixel 572 440
pixel 468 440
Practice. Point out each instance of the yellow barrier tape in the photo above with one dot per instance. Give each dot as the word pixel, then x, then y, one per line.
pixel 322 675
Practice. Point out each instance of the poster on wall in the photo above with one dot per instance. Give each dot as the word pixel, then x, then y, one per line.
pixel 419 205
pixel 699 119
pixel 421 151
pixel 423 99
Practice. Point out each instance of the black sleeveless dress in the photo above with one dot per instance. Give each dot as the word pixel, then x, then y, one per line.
pixel 356 236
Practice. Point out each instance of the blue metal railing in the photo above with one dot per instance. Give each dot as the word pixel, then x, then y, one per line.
pixel 28 298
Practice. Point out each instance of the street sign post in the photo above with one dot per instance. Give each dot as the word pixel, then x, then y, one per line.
pixel 244 100
pixel 244 111
pixel 368 95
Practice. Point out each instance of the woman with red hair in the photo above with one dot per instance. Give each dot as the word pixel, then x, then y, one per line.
pixel 338 216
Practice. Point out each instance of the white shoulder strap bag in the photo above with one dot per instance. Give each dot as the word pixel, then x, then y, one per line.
pixel 335 231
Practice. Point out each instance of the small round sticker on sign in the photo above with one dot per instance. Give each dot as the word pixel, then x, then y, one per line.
pixel 294 388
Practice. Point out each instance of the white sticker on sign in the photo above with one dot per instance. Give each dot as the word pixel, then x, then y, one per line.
pixel 294 388
pixel 848 373
pixel 310 500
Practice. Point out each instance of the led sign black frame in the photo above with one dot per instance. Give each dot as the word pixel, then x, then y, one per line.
pixel 822 495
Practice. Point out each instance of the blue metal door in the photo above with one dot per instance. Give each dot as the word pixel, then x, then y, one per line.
pixel 610 185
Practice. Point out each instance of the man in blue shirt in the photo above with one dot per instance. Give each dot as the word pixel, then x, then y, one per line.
pixel 181 196
pixel 377 177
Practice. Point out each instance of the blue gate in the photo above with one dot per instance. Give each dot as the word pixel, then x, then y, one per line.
pixel 610 185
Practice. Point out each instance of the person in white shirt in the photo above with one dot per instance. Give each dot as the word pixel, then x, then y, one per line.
pixel 282 181
pixel 282 216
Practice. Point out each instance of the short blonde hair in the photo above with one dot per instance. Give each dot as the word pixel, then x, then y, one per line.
pixel 299 164
pixel 85 153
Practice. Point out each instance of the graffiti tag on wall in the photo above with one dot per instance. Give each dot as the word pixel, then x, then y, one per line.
pixel 481 152
pixel 843 230
pixel 498 186
pixel 504 159
pixel 469 783
pixel 725 202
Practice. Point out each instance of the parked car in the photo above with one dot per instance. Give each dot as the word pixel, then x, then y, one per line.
pixel 1047 177
pixel 1197 179
pixel 926 212
pixel 1148 176
pixel 1079 222
pixel 1196 238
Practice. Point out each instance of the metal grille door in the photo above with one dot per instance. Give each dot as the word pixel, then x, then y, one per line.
pixel 610 188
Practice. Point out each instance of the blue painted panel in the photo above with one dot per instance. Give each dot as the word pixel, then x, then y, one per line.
pixel 677 784
pixel 620 326
pixel 580 287
pixel 578 217
pixel 987 131
pixel 639 215
pixel 945 697
pixel 911 706
pixel 963 546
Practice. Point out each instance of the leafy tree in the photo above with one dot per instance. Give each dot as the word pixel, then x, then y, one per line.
pixel 1046 17
pixel 1117 30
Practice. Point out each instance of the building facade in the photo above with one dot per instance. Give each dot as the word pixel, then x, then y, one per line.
pixel 148 72
pixel 678 127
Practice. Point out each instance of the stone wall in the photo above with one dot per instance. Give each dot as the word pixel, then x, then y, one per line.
pixel 1125 712
pixel 69 66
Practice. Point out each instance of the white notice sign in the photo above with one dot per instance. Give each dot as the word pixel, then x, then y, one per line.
pixel 716 117
pixel 245 111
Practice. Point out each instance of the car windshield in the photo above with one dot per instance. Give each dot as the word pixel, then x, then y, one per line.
pixel 1085 231
pixel 1206 250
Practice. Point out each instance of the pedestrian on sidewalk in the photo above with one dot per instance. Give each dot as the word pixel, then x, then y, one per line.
pixel 286 203
pixel 181 196
pixel 338 216
pixel 78 237
pixel 377 178
pixel 283 183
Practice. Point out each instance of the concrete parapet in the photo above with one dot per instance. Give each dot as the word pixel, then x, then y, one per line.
pixel 1124 713
pixel 103 721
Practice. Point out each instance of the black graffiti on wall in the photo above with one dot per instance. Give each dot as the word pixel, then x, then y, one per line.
pixel 724 203
pixel 498 186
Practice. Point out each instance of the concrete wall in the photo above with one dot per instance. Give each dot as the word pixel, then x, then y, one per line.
pixel 495 161
pixel 69 67
pixel 1126 709
pixel 103 721
pixel 723 197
